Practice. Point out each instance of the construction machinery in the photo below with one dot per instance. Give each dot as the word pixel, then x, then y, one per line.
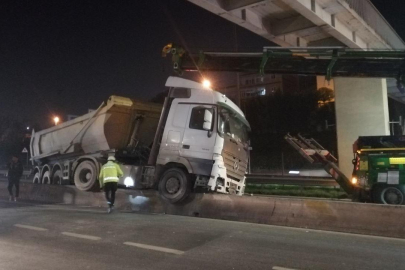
pixel 379 168
pixel 378 172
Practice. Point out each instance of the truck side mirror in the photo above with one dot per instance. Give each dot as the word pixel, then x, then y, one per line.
pixel 207 120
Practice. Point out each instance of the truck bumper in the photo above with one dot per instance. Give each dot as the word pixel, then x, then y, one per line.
pixel 221 183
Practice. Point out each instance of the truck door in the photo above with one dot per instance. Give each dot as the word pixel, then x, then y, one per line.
pixel 198 143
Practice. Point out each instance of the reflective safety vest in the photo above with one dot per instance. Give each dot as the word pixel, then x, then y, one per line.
pixel 110 172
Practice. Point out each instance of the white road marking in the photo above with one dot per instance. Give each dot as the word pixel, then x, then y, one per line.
pixel 161 249
pixel 282 268
pixel 30 227
pixel 83 236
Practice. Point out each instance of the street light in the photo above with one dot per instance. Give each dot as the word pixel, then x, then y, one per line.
pixel 56 120
pixel 206 83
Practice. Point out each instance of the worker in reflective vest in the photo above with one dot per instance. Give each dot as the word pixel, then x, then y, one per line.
pixel 108 178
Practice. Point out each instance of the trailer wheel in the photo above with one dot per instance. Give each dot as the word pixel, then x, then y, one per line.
pixel 85 176
pixel 174 185
pixel 46 178
pixel 57 177
pixel 37 178
pixel 392 195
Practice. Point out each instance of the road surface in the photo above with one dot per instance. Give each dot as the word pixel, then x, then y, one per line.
pixel 66 238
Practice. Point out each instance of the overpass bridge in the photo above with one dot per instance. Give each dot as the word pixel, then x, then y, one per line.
pixel 361 103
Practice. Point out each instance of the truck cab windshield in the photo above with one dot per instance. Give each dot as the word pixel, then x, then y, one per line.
pixel 229 124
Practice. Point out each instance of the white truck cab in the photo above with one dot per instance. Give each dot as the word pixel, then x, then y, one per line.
pixel 207 134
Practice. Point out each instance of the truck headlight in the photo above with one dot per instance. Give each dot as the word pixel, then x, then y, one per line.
pixel 129 182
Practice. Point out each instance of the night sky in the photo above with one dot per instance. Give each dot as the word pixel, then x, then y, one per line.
pixel 63 57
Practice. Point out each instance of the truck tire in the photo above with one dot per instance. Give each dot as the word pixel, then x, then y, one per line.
pixel 57 177
pixel 46 178
pixel 392 195
pixel 174 185
pixel 86 176
pixel 37 178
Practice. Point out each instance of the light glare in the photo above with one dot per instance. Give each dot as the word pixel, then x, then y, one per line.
pixel 206 83
pixel 56 120
pixel 129 182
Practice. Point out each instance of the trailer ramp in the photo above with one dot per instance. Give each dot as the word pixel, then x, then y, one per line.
pixel 312 151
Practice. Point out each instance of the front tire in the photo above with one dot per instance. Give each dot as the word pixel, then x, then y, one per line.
pixel 86 176
pixel 174 185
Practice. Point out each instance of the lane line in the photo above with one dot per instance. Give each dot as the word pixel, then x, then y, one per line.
pixel 82 236
pixel 30 227
pixel 366 236
pixel 155 248
pixel 282 268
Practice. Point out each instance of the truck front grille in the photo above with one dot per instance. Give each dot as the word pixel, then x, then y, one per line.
pixel 235 167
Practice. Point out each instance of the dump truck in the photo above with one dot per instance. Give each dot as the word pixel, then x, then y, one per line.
pixel 198 140
pixel 378 167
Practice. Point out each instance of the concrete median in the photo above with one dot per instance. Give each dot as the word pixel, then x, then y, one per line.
pixel 371 219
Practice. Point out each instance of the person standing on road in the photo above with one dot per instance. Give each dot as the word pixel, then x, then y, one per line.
pixel 108 178
pixel 15 171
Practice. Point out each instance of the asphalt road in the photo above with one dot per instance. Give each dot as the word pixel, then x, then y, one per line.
pixel 66 238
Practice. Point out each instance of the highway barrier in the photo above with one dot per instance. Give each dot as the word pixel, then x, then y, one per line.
pixel 291 180
pixel 370 219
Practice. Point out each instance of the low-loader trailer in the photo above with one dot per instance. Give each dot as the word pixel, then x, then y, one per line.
pixel 198 140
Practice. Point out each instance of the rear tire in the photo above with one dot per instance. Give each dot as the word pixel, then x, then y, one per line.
pixel 392 195
pixel 37 178
pixel 174 185
pixel 57 177
pixel 85 176
pixel 46 178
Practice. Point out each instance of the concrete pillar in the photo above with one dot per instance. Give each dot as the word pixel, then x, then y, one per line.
pixel 361 110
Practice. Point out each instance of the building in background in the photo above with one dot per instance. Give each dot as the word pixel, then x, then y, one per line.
pixel 254 85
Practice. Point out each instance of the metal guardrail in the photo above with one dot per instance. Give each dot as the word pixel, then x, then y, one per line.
pixel 291 180
pixel 26 174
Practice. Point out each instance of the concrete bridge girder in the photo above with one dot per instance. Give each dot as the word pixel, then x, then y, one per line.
pixel 320 19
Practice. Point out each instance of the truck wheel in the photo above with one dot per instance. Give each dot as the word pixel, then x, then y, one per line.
pixel 37 178
pixel 392 195
pixel 174 185
pixel 46 179
pixel 57 177
pixel 85 175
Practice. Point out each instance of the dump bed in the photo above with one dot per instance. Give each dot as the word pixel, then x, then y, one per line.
pixel 110 127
